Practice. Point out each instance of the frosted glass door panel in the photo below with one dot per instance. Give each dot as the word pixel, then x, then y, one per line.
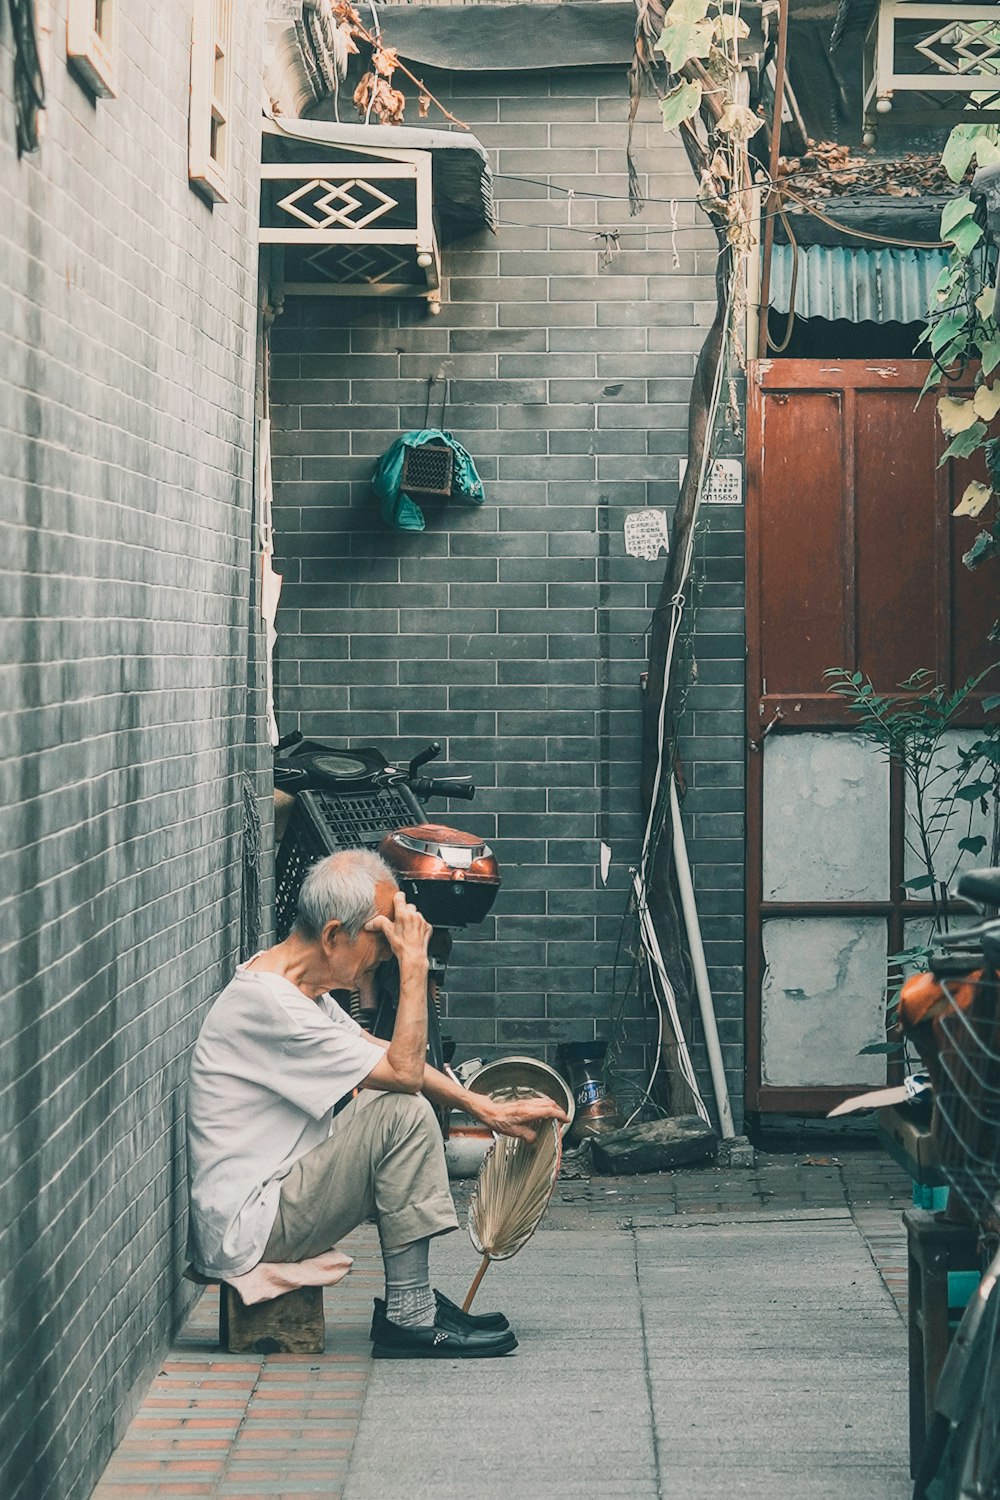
pixel 948 820
pixel 826 819
pixel 822 1000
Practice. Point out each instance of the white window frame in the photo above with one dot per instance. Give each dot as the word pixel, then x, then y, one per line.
pixel 90 44
pixel 210 119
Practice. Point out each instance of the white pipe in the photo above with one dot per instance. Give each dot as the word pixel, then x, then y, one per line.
pixel 702 985
pixel 658 968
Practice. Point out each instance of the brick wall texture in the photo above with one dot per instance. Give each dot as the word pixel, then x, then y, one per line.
pixel 515 633
pixel 127 353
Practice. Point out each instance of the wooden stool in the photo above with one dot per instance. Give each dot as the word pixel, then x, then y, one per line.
pixel 290 1324
pixel 934 1247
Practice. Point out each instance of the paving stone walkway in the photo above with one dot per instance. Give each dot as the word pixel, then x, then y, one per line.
pixel 665 1321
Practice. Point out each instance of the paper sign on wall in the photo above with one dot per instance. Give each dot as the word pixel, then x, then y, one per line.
pixel 725 481
pixel 646 534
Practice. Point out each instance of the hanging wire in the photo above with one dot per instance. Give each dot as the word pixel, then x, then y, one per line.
pixel 252 841
pixel 29 84
pixel 377 30
pixel 790 325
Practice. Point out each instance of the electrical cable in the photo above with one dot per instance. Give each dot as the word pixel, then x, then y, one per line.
pixel 657 969
pixel 864 234
pixel 780 213
pixel 378 42
pixel 29 81
pixel 790 325
pixel 649 843
pixel 596 232
pixel 677 603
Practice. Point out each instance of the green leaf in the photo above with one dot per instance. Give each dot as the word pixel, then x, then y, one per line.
pixel 684 40
pixel 974 845
pixel 989 354
pixel 965 236
pixel 959 151
pixel 946 329
pixel 689 11
pixel 935 375
pixel 990 703
pixel 973 791
pixel 984 546
pixel 920 882
pixel 873 1047
pixel 680 104
pixel 965 444
pixel 956 212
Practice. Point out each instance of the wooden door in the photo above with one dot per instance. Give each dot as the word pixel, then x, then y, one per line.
pixel 853 560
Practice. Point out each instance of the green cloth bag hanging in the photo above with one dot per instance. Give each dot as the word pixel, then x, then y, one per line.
pixel 399 509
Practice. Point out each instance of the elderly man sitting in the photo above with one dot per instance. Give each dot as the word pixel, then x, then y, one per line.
pixel 274 1175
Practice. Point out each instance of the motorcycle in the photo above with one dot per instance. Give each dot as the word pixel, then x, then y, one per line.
pixel 349 799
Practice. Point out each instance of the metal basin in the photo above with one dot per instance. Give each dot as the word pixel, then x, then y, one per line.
pixel 520 1077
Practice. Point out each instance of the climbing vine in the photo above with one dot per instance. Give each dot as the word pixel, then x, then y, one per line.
pixel 689 54
pixel 962 332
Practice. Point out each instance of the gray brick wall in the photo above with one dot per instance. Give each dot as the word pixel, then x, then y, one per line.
pixel 515 633
pixel 126 406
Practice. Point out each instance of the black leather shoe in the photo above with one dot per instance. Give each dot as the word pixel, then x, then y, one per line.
pixel 393 1341
pixel 449 1315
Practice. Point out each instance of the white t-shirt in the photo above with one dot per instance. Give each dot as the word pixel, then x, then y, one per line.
pixel 266 1071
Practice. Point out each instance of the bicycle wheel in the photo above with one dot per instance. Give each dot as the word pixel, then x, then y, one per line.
pixel 969 1466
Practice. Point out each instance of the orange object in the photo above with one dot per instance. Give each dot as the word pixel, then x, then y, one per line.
pixel 924 998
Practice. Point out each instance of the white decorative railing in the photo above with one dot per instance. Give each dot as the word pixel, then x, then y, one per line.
pixel 353 228
pixel 935 50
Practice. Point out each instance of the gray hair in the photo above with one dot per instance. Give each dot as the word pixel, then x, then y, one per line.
pixel 341 888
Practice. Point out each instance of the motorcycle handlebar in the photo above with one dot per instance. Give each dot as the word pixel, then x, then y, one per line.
pixel 427 786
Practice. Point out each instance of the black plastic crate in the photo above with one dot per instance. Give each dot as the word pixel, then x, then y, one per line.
pixel 321 823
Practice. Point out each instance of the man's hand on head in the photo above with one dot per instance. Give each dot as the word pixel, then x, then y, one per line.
pixel 520 1117
pixel 406 932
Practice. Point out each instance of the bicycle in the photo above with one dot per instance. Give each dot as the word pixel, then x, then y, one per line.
pixel 953 1016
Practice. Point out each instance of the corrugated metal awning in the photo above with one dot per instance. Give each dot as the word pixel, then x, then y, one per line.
pixel 861 286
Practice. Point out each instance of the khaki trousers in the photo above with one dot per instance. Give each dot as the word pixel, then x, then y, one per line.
pixel 383 1160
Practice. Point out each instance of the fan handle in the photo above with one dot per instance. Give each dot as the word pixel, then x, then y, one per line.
pixel 474 1288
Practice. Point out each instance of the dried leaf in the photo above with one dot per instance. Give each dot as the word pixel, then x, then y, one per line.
pixel 376 96
pixel 346 39
pixel 343 11
pixel 730 29
pixel 986 401
pixel 423 105
pixel 974 500
pixel 385 61
pixel 955 416
pixel 363 93
pixel 739 122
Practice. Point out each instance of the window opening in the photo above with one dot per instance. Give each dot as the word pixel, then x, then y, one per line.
pixel 90 44
pixel 211 91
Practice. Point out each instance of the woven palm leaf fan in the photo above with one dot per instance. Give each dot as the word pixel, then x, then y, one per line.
pixel 512 1192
